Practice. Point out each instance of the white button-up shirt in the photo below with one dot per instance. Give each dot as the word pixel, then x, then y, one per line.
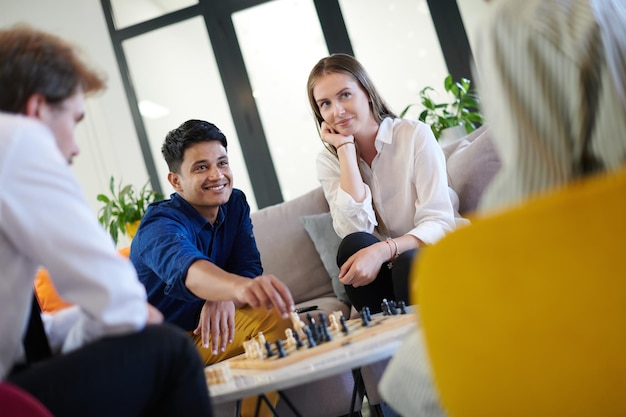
pixel 45 220
pixel 407 183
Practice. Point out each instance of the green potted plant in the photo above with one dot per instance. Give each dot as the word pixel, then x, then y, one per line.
pixel 461 110
pixel 123 209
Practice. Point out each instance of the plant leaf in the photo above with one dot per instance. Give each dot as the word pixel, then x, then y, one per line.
pixel 448 82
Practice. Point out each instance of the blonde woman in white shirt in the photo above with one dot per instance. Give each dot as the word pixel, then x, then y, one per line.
pixel 384 179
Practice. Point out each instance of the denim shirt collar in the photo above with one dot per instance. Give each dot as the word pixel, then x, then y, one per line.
pixel 194 216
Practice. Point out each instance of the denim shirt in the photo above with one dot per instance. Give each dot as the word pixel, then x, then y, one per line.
pixel 173 235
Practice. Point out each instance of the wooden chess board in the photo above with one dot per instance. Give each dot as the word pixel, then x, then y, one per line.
pixel 378 325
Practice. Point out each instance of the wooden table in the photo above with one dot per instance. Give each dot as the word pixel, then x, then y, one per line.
pixel 350 356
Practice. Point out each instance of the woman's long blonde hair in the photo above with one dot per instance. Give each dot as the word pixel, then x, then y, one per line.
pixel 346 64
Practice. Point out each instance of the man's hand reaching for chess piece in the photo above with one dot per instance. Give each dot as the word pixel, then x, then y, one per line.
pixel 266 291
pixel 217 318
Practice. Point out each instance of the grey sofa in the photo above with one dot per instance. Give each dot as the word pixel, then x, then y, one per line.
pixel 288 252
pixel 297 245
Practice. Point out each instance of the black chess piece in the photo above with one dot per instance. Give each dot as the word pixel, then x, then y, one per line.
pixel 386 308
pixel 299 343
pixel 268 348
pixel 315 330
pixel 280 349
pixel 323 328
pixel 367 312
pixel 319 333
pixel 402 307
pixel 326 334
pixel 364 318
pixel 344 326
pixel 309 336
pixel 393 307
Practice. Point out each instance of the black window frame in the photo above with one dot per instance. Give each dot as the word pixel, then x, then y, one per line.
pixel 217 15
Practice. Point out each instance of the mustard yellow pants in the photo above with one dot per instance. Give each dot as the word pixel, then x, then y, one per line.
pixel 248 323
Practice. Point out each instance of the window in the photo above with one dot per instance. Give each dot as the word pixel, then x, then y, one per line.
pixel 174 68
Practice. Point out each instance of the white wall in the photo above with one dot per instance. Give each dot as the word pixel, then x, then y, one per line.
pixel 107 138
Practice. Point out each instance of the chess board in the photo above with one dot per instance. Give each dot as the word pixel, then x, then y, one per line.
pixel 378 325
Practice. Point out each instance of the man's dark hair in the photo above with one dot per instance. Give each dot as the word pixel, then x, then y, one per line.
pixel 35 62
pixel 191 132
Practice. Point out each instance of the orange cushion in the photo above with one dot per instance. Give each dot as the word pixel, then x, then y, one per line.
pixel 49 300
pixel 125 251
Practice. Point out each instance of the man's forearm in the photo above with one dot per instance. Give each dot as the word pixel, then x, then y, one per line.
pixel 210 282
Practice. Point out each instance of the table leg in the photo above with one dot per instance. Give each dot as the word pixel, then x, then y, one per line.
pixel 289 403
pixel 267 402
pixel 358 385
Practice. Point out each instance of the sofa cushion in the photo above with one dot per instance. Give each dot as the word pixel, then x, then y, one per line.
pixel 320 229
pixel 286 249
pixel 472 161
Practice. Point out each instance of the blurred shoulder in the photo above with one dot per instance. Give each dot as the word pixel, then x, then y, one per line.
pixel 14 126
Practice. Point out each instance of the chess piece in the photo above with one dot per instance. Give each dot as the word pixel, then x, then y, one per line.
pixel 384 306
pixel 323 319
pixel 309 336
pixel 296 322
pixel 364 318
pixel 291 340
pixel 299 343
pixel 326 337
pixel 315 331
pixel 320 332
pixel 279 349
pixel 334 326
pixel 393 307
pixel 344 326
pixel 268 348
pixel 246 348
pixel 252 349
pixel 337 315
pixel 258 353
pixel 402 307
pixel 261 338
pixel 368 313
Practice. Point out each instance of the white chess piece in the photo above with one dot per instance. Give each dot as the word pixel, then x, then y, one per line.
pixel 252 349
pixel 334 325
pixel 291 341
pixel 296 322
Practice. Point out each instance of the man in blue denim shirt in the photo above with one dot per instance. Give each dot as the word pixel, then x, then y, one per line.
pixel 196 253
